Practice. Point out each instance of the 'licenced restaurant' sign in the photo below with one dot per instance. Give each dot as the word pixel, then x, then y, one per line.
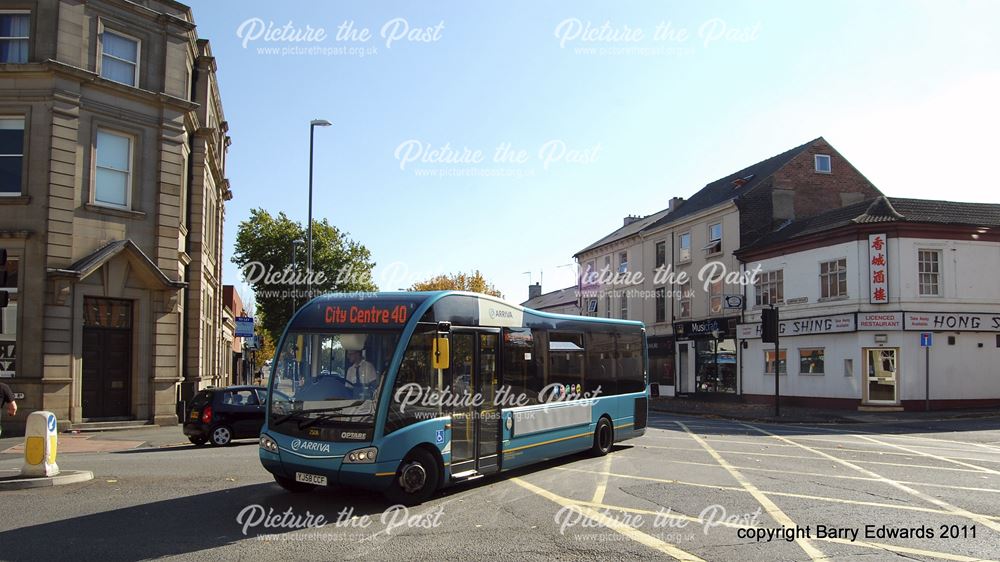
pixel 952 321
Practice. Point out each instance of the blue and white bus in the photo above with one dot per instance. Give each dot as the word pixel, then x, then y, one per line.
pixel 408 392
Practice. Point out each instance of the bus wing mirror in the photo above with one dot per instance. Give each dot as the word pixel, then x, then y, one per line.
pixel 440 353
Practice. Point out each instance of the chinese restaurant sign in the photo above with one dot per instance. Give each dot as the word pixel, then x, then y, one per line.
pixel 878 261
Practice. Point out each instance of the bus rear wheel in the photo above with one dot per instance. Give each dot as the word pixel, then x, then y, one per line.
pixel 416 480
pixel 604 437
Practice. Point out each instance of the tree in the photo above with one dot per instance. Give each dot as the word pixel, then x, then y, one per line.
pixel 474 282
pixel 264 246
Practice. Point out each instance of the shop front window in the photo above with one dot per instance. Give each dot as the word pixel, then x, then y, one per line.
pixel 715 365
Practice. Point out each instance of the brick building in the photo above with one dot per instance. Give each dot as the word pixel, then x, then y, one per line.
pixel 692 325
pixel 111 207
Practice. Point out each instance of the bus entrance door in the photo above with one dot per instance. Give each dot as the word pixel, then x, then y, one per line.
pixel 475 418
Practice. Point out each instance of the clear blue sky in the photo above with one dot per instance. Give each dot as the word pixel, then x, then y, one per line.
pixel 905 90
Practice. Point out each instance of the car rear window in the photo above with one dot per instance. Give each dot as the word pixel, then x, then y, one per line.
pixel 201 399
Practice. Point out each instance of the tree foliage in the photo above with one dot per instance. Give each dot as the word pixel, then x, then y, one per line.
pixel 474 282
pixel 264 254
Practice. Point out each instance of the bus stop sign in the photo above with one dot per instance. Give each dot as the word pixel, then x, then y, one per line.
pixel 925 339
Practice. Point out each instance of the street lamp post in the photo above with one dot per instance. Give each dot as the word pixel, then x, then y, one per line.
pixel 309 228
pixel 295 245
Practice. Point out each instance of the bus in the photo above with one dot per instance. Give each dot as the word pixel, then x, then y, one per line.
pixel 408 392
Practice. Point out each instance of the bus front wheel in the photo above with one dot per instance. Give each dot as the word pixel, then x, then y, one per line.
pixel 604 437
pixel 416 480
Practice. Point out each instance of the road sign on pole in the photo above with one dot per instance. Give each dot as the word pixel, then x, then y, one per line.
pixel 244 326
pixel 926 340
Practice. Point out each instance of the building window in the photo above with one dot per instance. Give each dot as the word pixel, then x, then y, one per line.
pixel 715 290
pixel 684 308
pixel 811 360
pixel 591 307
pixel 661 305
pixel 684 252
pixel 120 58
pixel 848 367
pixel 770 288
pixel 833 278
pixel 14 29
pixel 714 245
pixel 607 264
pixel 607 306
pixel 113 180
pixel 769 362
pixel 929 272
pixel 822 163
pixel 8 331
pixel 622 262
pixel 624 306
pixel 661 254
pixel 11 154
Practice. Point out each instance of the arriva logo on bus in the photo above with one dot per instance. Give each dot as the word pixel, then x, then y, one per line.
pixel 300 445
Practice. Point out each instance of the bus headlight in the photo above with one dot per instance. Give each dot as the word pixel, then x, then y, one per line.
pixel 268 444
pixel 361 456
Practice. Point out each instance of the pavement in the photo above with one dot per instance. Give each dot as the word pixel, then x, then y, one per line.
pixel 738 410
pixel 692 488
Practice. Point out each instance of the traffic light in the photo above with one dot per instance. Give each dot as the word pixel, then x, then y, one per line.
pixel 769 325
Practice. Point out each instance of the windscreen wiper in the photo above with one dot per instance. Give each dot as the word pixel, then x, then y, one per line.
pixel 294 413
pixel 328 413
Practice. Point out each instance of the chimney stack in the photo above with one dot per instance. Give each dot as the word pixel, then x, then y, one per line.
pixel 630 219
pixel 534 291
pixel 674 203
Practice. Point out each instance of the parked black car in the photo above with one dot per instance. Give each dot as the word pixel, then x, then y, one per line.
pixel 219 415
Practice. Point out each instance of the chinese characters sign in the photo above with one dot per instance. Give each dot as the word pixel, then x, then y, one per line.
pixel 878 265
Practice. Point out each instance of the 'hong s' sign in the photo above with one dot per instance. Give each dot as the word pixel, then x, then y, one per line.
pixel 878 266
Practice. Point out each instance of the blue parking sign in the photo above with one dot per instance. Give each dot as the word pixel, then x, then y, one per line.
pixel 439 436
pixel 926 339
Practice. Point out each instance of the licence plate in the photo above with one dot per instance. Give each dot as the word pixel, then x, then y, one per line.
pixel 310 478
pixel 194 414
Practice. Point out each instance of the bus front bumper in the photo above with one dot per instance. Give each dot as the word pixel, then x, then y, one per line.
pixel 371 476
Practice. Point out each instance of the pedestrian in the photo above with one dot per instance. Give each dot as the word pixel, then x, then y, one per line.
pixel 7 402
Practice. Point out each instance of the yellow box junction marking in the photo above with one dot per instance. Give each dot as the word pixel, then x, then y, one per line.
pixel 769 506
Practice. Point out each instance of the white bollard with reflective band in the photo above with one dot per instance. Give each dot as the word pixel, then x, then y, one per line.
pixel 40 440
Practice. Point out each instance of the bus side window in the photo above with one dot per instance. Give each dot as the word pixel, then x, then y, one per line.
pixel 521 365
pixel 629 352
pixel 601 364
pixel 416 371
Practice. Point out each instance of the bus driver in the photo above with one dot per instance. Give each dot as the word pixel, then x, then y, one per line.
pixel 361 373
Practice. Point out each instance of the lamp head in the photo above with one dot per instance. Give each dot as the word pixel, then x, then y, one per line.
pixel 320 123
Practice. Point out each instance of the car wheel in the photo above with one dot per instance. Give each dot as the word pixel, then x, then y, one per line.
pixel 416 480
pixel 198 441
pixel 293 486
pixel 222 435
pixel 604 437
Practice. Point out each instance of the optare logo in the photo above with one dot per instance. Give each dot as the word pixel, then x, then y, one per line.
pixel 356 435
pixel 300 445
